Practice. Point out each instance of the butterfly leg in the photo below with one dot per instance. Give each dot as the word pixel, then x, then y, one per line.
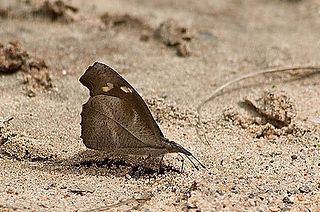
pixel 160 163
pixel 182 163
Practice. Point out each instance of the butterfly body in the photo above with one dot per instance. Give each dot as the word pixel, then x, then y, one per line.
pixel 115 119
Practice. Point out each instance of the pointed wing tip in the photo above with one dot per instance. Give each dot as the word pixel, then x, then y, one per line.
pixel 85 76
pixel 101 64
pixel 98 63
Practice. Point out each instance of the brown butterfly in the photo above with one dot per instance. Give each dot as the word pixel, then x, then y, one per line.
pixel 115 119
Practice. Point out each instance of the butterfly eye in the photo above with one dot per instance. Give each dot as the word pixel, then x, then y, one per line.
pixel 107 88
pixel 126 89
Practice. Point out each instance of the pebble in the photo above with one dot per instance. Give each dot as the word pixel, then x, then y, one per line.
pixel 292 192
pixel 252 202
pixel 220 192
pixel 183 50
pixel 30 93
pixel 238 158
pixel 234 190
pixel 274 209
pixel 259 209
pixel 287 200
pixel 11 191
pixel 145 36
pixel 304 189
pixel 285 209
pixel 293 157
pixel 251 196
pixel 300 198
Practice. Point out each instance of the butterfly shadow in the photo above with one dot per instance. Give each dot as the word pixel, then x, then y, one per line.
pixel 91 162
pixel 120 165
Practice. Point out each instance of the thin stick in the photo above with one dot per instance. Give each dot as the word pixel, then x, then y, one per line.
pixel 140 200
pixel 243 77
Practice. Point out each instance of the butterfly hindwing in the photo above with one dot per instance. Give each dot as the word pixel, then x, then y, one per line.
pixel 110 124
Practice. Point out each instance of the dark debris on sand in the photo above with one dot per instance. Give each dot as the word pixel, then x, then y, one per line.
pixel 14 58
pixel 174 35
pixel 271 115
pixel 169 32
pixel 4 13
pixel 57 11
pixel 127 21
pixel 4 131
pixel 275 107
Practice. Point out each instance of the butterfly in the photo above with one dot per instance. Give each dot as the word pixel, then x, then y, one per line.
pixel 115 119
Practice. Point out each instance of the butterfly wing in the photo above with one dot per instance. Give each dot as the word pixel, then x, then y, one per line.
pixel 116 116
pixel 109 124
pixel 95 128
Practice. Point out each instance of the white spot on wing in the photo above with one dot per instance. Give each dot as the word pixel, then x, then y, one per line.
pixel 126 89
pixel 107 88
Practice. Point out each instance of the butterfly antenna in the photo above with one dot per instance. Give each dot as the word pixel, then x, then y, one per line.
pixel 201 164
pixel 195 166
pixel 188 154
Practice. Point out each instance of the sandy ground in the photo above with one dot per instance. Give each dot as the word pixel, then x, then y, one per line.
pixel 252 165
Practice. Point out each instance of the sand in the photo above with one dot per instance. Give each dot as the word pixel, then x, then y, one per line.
pixel 253 163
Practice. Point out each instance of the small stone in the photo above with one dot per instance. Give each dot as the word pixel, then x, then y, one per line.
pixel 10 191
pixel 238 158
pixel 31 93
pixel 293 157
pixel 274 209
pixel 234 190
pixel 300 197
pixel 258 120
pixel 220 192
pixel 3 140
pixel 49 186
pixel 192 203
pixel 145 36
pixel 81 189
pixel 304 189
pixel 292 192
pixel 252 202
pixel 287 200
pixel 285 209
pixel 44 198
pixel 183 50
pixel 259 209
pixel 251 196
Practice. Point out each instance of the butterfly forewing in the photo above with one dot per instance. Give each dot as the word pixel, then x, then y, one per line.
pixel 101 79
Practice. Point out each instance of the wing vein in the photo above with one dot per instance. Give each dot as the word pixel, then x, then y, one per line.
pixel 125 129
